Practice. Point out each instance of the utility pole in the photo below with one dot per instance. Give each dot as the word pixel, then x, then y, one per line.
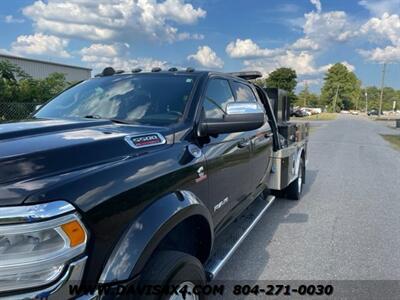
pixel 382 86
pixel 358 100
pixel 334 103
pixel 366 102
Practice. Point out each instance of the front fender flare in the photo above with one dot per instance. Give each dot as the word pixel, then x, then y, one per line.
pixel 142 237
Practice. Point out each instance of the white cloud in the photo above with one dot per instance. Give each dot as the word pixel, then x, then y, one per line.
pixel 380 30
pixel 40 44
pixel 349 66
pixel 302 62
pixel 248 49
pixel 317 4
pixel 180 12
pixel 112 20
pixel 305 44
pixel 206 57
pixel 379 7
pixel 100 56
pixel 309 82
pixel 387 27
pixel 381 55
pixel 96 51
pixel 320 32
pixel 327 27
pixel 11 20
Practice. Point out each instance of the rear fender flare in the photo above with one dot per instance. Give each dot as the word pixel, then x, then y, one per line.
pixel 148 229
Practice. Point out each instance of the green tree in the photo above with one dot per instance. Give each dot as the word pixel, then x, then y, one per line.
pixel 283 78
pixel 9 75
pixel 374 94
pixel 341 86
pixel 11 72
pixel 389 95
pixel 18 86
pixel 52 85
pixel 260 82
pixel 306 98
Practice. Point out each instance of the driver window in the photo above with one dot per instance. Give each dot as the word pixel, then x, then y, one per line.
pixel 218 94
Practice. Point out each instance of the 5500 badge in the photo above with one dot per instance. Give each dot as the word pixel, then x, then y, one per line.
pixel 145 140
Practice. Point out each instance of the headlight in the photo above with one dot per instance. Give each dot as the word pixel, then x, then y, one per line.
pixel 35 253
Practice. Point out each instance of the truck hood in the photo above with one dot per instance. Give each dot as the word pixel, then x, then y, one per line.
pixel 37 149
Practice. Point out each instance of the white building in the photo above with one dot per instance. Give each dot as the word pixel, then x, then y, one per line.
pixel 40 69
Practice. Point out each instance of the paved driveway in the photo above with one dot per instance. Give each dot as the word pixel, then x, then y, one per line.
pixel 347 225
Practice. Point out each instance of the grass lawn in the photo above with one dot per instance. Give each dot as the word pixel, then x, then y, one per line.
pixel 393 139
pixel 320 117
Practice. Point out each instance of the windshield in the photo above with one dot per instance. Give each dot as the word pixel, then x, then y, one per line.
pixel 151 99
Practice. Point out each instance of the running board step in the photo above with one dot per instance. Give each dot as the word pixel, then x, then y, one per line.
pixel 231 238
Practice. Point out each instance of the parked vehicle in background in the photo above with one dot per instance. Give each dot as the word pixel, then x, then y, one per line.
pixel 373 112
pixel 316 111
pixel 299 113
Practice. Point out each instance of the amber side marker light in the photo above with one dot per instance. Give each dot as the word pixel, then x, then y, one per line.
pixel 75 233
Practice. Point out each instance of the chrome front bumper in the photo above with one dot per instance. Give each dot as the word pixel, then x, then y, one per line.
pixel 60 289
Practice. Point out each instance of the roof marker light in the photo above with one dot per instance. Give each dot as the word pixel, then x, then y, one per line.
pixel 109 71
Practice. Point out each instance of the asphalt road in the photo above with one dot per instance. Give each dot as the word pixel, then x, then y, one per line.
pixel 346 226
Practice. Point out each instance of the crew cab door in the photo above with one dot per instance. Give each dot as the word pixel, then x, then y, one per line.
pixel 227 156
pixel 261 142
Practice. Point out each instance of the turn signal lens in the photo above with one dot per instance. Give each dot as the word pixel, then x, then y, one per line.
pixel 75 233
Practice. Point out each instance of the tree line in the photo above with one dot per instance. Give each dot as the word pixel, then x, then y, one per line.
pixel 341 90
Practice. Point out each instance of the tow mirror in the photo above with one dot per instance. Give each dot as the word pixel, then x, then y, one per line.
pixel 239 116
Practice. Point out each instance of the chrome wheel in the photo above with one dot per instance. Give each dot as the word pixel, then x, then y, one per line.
pixel 300 183
pixel 300 179
pixel 187 289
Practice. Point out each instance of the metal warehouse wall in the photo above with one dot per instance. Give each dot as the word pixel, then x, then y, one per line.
pixel 41 69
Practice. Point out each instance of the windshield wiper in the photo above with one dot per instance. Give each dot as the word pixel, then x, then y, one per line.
pixel 97 117
pixel 93 117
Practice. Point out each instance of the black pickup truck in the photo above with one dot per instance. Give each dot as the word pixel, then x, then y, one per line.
pixel 137 177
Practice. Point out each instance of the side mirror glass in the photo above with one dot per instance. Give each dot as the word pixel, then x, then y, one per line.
pixel 239 116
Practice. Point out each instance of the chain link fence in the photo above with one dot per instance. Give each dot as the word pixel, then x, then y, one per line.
pixel 13 111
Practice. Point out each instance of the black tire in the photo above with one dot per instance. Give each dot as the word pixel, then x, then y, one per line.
pixel 168 268
pixel 294 190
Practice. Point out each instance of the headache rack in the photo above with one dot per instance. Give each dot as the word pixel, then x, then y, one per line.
pixel 247 75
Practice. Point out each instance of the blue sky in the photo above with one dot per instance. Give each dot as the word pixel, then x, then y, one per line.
pixel 307 35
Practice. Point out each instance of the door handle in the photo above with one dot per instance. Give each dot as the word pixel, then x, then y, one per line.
pixel 244 144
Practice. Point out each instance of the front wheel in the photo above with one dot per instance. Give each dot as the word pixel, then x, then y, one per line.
pixel 294 190
pixel 178 269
